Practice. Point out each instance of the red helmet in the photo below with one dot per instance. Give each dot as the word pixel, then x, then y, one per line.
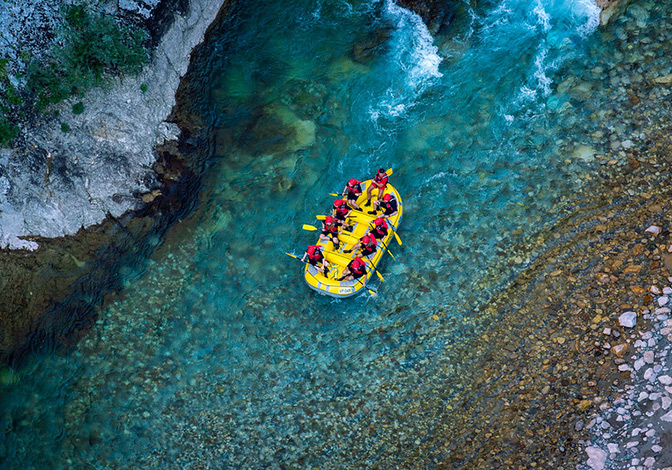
pixel 353 182
pixel 366 239
pixel 339 202
pixel 387 197
pixel 357 262
pixel 329 220
pixel 379 221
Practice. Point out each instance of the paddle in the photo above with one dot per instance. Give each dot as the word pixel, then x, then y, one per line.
pixel 380 276
pixel 304 262
pixel 370 291
pixel 388 250
pixel 344 233
pixel 389 173
pixel 396 237
pixel 312 228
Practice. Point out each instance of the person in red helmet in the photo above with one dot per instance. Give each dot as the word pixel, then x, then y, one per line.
pixel 367 244
pixel 352 191
pixel 317 259
pixel 341 211
pixel 388 205
pixel 379 182
pixel 379 229
pixel 330 230
pixel 354 270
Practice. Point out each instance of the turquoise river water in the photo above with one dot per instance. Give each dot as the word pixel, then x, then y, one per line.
pixel 216 354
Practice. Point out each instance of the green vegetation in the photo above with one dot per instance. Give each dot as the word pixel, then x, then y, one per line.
pixel 65 127
pixel 9 99
pixel 91 47
pixel 143 87
pixel 78 108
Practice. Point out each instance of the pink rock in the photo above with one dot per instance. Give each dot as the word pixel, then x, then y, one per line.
pixel 596 458
pixel 654 229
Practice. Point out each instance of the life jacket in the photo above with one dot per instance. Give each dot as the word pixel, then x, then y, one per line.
pixel 341 209
pixel 389 206
pixel 314 253
pixel 354 187
pixel 381 224
pixel 380 179
pixel 379 231
pixel 358 266
pixel 331 228
pixel 369 242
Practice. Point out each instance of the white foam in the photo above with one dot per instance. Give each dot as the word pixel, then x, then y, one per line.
pixel 542 16
pixel 416 58
pixel 543 82
pixel 420 57
pixel 591 12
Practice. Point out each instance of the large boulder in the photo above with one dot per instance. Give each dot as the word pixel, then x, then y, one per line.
pixel 436 15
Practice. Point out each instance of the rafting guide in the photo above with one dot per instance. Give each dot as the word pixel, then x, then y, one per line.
pixel 379 182
pixel 351 243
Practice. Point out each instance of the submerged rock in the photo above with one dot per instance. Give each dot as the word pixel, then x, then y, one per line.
pixel 596 458
pixel 436 15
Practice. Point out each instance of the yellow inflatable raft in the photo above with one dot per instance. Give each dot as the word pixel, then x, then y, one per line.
pixel 338 260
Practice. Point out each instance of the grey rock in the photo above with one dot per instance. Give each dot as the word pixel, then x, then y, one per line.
pixel 628 319
pixel 105 161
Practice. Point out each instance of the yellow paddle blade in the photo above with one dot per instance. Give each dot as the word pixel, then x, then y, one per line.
pixel 389 172
pixel 334 194
pixel 396 237
pixel 289 254
pixel 391 255
pixel 380 276
pixel 309 227
pixel 321 217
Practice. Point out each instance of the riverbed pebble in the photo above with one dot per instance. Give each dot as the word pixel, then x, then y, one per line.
pixel 628 319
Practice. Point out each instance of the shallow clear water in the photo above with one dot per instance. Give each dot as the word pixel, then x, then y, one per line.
pixel 219 352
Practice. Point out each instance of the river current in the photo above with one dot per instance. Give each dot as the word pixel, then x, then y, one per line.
pixel 216 354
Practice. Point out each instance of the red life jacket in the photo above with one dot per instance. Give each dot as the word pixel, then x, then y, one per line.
pixel 358 266
pixel 342 209
pixel 314 253
pixel 331 228
pixel 354 187
pixel 381 180
pixel 379 231
pixel 371 243
pixel 389 207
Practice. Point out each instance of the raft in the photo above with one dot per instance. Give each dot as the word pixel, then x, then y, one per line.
pixel 338 260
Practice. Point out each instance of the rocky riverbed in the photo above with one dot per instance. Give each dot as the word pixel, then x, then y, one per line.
pixel 573 351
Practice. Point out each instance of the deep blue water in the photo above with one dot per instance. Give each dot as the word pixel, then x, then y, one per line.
pixel 218 354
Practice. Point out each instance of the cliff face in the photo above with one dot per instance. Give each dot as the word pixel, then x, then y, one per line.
pixel 59 179
pixel 119 155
